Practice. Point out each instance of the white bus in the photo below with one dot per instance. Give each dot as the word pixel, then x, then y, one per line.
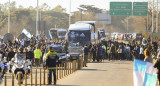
pixel 58 33
pixel 79 34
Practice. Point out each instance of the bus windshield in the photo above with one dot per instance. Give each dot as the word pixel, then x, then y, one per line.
pixel 80 37
pixel 62 33
pixel 54 33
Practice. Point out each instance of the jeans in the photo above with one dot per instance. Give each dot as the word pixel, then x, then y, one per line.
pixel 50 75
pixel 37 62
pixel 85 60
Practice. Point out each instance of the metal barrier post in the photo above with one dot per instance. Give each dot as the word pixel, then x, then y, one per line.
pixel 67 69
pixel 25 78
pixel 71 67
pixel 12 79
pixel 47 77
pixel 40 78
pixel 31 77
pixel 62 70
pixel 56 72
pixel 36 78
pixel 5 80
pixel 44 76
pixel 19 79
pixel 59 71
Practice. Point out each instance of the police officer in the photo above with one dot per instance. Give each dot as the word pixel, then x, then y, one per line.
pixel 51 58
pixel 37 56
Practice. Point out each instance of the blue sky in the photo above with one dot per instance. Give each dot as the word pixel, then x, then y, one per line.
pixel 103 4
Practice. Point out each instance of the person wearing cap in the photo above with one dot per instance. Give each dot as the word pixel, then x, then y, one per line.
pixel 37 56
pixel 51 58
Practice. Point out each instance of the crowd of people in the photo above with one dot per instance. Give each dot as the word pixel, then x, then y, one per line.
pixel 34 49
pixel 114 50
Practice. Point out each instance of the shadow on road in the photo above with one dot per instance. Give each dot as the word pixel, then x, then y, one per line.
pixel 67 85
pixel 91 70
pixel 100 62
pixel 53 85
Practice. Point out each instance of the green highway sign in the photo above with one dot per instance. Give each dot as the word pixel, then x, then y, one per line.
pixel 120 8
pixel 140 8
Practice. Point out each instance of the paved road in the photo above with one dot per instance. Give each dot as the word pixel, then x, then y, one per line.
pixel 113 73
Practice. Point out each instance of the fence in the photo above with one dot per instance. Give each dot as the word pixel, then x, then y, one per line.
pixel 41 75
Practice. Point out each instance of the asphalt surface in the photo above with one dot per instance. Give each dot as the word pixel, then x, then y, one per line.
pixel 107 73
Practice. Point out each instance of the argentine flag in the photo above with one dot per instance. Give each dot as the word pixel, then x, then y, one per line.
pixel 144 73
pixel 50 34
pixel 26 33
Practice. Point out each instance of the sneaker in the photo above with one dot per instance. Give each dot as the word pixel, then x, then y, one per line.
pixel 49 84
pixel 54 83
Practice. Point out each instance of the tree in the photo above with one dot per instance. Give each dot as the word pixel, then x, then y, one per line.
pixel 44 7
pixel 90 8
pixel 59 8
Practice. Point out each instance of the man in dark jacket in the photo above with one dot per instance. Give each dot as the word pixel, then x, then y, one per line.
pixel 51 58
pixel 93 50
pixel 31 55
pixel 85 51
pixel 112 51
pixel 11 54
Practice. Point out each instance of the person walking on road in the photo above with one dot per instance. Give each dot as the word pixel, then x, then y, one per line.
pixel 85 52
pixel 94 52
pixel 37 56
pixel 51 58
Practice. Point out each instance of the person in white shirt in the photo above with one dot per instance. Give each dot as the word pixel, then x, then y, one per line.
pixel 141 54
pixel 119 52
pixel 127 52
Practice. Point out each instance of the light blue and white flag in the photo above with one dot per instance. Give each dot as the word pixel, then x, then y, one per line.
pixel 26 33
pixel 23 43
pixel 50 34
pixel 144 73
pixel 38 37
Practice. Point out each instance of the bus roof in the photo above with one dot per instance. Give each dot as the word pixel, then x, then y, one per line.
pixel 80 26
pixel 87 22
pixel 58 29
pixel 62 30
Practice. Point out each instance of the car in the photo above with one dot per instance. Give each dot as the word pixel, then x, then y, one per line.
pixel 127 36
pixel 61 52
pixel 75 53
pixel 137 36
pixel 120 36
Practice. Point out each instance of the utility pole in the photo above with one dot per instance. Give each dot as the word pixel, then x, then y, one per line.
pixel 69 12
pixel 81 14
pixel 37 19
pixel 153 17
pixel 9 17
pixel 127 24
pixel 157 18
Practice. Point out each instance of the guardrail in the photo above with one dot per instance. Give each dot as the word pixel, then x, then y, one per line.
pixel 62 70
